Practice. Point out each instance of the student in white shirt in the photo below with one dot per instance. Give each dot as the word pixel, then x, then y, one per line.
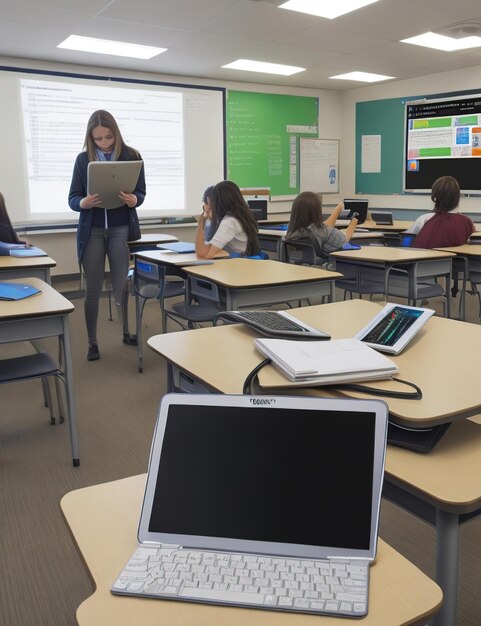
pixel 233 227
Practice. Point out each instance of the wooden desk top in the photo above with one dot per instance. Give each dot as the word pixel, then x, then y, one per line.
pixel 442 359
pixel 245 273
pixel 465 250
pixel 449 476
pixel 152 238
pixel 48 302
pixel 388 254
pixel 103 520
pixel 12 262
pixel 174 258
pixel 279 234
pixel 397 226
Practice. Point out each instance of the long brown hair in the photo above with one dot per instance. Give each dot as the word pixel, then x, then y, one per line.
pixel 8 233
pixel 106 120
pixel 306 211
pixel 227 199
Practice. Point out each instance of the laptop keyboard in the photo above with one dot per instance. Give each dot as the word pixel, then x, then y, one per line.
pixel 270 320
pixel 336 586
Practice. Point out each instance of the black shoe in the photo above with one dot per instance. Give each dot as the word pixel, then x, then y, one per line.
pixel 93 353
pixel 130 340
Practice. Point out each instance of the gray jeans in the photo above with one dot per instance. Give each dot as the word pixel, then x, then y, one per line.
pixel 111 243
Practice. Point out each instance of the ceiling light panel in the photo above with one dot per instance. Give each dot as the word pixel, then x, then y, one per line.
pixel 443 42
pixel 325 8
pixel 105 46
pixel 364 77
pixel 265 68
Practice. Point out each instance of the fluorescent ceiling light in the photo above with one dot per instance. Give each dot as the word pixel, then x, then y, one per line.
pixel 325 8
pixel 265 68
pixel 105 46
pixel 443 42
pixel 364 77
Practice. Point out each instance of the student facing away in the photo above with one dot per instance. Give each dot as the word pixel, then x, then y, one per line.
pixel 233 228
pixel 102 233
pixel 306 222
pixel 445 227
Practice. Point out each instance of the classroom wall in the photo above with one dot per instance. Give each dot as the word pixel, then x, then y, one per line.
pixel 61 246
pixel 456 80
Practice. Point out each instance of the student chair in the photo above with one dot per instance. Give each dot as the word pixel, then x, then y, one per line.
pixel 299 252
pixel 148 281
pixel 203 300
pixel 28 367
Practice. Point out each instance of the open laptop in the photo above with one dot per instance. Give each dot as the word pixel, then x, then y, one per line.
pixel 109 178
pixel 356 205
pixel 382 218
pixel 261 501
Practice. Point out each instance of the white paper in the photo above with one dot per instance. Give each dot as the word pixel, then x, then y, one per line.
pixel 371 154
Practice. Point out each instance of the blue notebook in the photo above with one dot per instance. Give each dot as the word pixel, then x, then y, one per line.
pixel 27 252
pixel 182 247
pixel 16 291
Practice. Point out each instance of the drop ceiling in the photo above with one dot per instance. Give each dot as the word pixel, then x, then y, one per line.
pixel 203 35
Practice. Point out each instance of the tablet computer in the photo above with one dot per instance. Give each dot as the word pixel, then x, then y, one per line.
pixel 109 178
pixel 394 327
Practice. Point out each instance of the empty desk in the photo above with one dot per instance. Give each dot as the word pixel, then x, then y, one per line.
pixel 16 267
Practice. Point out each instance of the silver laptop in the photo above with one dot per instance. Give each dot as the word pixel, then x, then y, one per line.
pixel 261 501
pixel 109 178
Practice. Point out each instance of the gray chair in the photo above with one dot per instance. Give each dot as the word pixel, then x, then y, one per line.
pixel 202 301
pixel 149 281
pixel 39 365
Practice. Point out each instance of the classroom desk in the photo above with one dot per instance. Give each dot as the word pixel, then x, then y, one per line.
pixel 15 267
pixel 467 252
pixel 248 282
pixel 445 491
pixel 103 520
pixel 442 356
pixel 149 241
pixel 41 316
pixel 269 238
pixel 397 226
pixel 417 261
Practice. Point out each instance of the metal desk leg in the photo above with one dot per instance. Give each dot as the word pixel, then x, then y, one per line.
pixel 447 535
pixel 72 415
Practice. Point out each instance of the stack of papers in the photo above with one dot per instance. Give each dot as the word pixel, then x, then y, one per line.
pixel 327 362
pixel 19 250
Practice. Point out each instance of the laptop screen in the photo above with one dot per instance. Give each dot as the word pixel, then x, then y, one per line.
pixel 356 206
pixel 278 476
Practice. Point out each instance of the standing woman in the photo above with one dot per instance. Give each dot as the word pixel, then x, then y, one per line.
pixel 233 227
pixel 102 233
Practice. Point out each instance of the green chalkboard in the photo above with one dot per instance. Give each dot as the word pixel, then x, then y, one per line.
pixel 263 132
pixel 384 118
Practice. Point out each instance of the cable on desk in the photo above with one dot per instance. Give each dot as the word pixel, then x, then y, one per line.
pixel 246 388
pixel 417 394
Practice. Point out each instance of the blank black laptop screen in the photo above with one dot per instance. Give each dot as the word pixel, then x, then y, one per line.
pixel 278 475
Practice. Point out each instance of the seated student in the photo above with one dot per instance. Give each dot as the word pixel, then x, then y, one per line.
pixel 7 231
pixel 445 227
pixel 232 225
pixel 306 222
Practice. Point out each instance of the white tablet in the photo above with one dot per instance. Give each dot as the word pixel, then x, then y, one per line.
pixel 394 327
pixel 109 178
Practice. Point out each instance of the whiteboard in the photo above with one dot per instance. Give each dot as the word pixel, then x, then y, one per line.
pixel 319 165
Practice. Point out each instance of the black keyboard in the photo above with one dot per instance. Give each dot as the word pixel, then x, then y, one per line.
pixel 273 324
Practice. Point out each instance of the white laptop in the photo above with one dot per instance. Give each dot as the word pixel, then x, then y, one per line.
pixel 261 501
pixel 109 178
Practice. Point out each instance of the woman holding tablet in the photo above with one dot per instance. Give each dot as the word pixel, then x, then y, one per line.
pixel 233 227
pixel 103 233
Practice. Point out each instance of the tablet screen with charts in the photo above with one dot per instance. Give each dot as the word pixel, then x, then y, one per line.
pixel 394 327
pixel 109 178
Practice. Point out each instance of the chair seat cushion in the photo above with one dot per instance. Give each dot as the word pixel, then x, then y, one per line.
pixel 28 366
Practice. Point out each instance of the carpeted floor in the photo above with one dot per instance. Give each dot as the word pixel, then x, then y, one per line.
pixel 42 577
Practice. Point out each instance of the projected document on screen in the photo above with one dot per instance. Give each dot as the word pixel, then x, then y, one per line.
pixel 177 129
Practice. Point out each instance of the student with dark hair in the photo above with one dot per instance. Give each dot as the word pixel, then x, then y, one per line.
pixel 444 227
pixel 306 222
pixel 233 227
pixel 103 233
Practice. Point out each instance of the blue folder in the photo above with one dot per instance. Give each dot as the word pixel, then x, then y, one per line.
pixel 16 291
